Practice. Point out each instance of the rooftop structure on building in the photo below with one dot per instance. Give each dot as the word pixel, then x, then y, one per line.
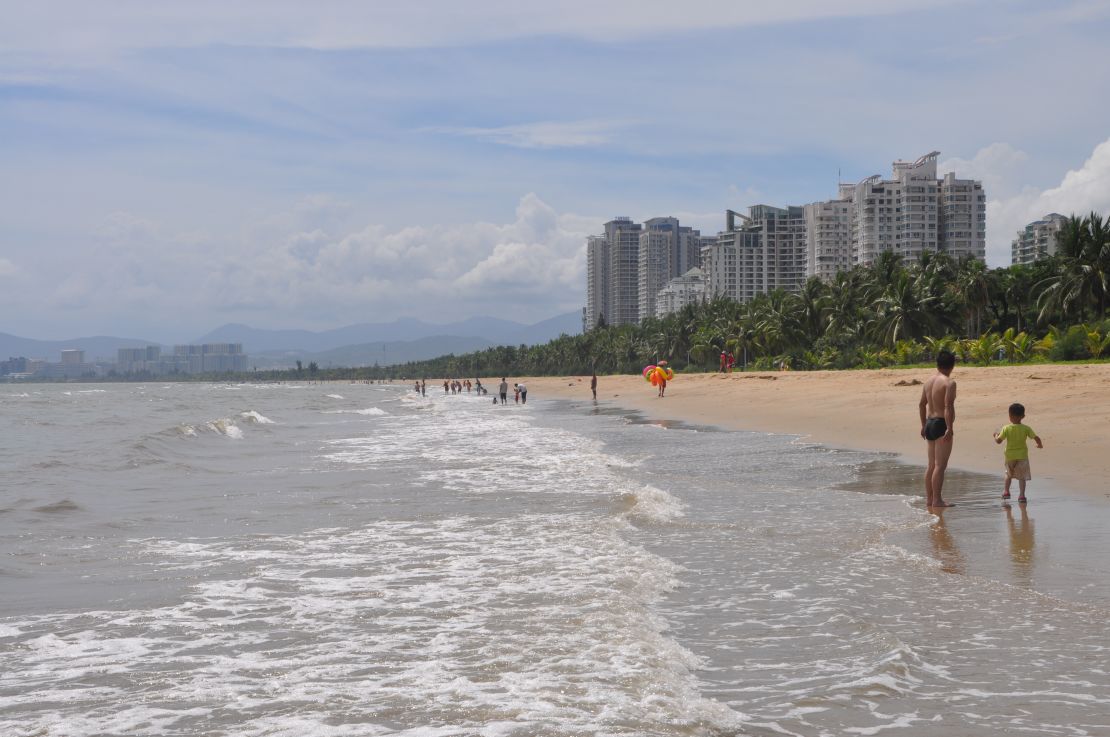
pixel 1039 239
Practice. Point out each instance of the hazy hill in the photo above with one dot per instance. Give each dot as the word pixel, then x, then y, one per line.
pixel 355 345
pixel 97 346
pixel 368 354
pixel 494 330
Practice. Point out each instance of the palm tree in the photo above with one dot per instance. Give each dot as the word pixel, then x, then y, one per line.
pixel 849 300
pixel 1082 283
pixel 813 309
pixel 904 311
pixel 972 284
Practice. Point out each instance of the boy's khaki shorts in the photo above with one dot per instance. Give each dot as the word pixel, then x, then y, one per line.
pixel 1018 470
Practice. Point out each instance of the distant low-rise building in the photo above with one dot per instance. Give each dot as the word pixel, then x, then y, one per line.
pixel 73 357
pixel 139 360
pixel 1039 239
pixel 206 358
pixel 681 291
pixel 209 358
pixel 13 366
pixel 68 368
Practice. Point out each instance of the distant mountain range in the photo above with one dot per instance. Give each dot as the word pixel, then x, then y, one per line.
pixel 492 329
pixel 355 345
pixel 96 347
pixel 368 354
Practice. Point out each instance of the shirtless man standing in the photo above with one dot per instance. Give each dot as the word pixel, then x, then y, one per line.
pixel 938 414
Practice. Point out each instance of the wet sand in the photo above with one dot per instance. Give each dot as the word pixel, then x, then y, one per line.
pixel 1067 405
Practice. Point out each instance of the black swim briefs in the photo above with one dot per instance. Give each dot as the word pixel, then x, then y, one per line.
pixel 935 428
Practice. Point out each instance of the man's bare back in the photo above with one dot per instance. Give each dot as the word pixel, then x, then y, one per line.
pixel 937 410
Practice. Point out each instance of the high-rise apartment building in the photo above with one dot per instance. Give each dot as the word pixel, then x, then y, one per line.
pixel 829 245
pixel 628 265
pixel 909 214
pixel 764 252
pixel 613 274
pixel 597 282
pixel 667 250
pixel 1039 239
pixel 962 221
pixel 784 249
pixel 719 259
pixel 623 237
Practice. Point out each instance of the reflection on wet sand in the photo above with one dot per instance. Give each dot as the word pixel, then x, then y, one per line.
pixel 944 546
pixel 1021 544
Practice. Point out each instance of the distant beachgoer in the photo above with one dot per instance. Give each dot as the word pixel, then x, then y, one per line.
pixel 593 385
pixel 523 391
pixel 503 390
pixel 423 387
pixel 731 359
pixel 478 385
pixel 724 361
pixel 446 386
pixel 937 409
pixel 1017 451
pixel 516 393
pixel 416 386
pixel 662 383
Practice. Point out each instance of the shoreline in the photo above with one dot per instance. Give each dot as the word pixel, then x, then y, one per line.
pixel 877 410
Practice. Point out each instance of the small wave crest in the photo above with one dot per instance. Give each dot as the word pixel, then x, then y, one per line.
pixel 334 396
pixel 255 418
pixel 650 504
pixel 373 411
pixel 225 426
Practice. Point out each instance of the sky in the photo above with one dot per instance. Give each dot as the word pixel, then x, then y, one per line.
pixel 166 168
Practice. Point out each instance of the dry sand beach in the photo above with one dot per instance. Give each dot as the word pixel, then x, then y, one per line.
pixel 1068 406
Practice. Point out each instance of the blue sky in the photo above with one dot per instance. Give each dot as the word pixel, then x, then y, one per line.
pixel 171 167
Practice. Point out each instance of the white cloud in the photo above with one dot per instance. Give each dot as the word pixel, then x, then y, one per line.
pixel 7 268
pixel 317 274
pixel 1081 191
pixel 999 166
pixel 550 134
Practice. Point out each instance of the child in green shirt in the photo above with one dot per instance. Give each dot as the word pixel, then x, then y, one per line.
pixel 1017 453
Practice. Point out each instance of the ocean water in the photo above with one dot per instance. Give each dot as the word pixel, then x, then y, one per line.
pixel 349 560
